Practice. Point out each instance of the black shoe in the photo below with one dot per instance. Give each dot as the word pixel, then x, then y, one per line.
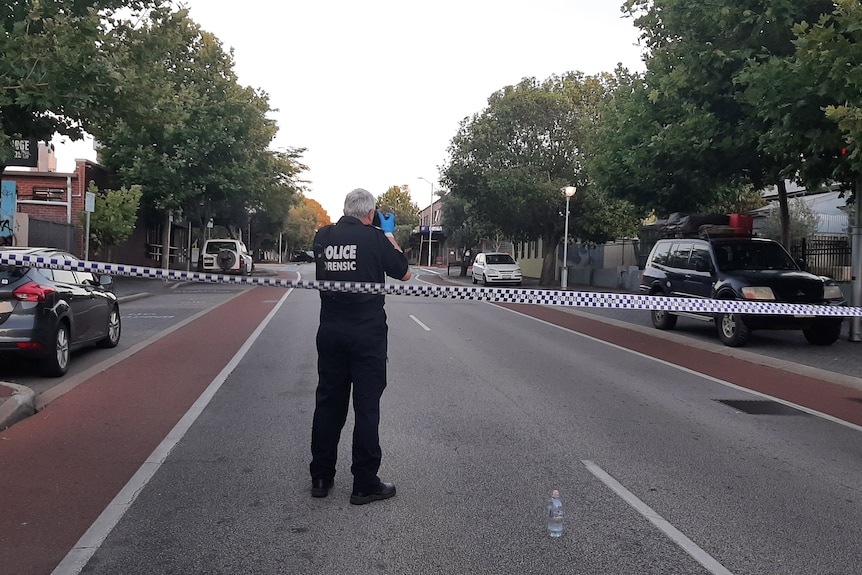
pixel 383 491
pixel 321 487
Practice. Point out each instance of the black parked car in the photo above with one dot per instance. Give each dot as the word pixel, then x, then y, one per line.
pixel 302 256
pixel 740 268
pixel 47 313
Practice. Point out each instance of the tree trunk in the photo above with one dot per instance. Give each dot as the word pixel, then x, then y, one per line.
pixel 466 260
pixel 784 212
pixel 549 261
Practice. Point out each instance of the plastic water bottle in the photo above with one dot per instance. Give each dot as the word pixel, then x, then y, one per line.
pixel 555 515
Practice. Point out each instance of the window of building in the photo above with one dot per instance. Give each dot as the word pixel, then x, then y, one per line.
pixel 49 194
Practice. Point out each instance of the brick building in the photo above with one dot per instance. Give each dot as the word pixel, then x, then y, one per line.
pixel 49 203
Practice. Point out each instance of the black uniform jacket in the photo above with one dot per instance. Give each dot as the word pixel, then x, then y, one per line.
pixel 350 251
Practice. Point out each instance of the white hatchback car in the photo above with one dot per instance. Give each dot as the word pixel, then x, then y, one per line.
pixel 496 268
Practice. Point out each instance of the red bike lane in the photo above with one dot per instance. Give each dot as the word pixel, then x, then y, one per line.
pixel 60 468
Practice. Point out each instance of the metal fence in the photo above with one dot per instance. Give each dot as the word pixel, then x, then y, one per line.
pixel 825 255
pixel 51 234
pixel 647 237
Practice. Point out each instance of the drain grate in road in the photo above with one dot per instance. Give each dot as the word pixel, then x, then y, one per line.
pixel 760 407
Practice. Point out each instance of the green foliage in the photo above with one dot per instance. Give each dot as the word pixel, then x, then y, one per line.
pixel 280 190
pixel 803 222
pixel 829 54
pixel 736 201
pixel 189 134
pixel 509 162
pixel 460 229
pixel 396 200
pixel 688 131
pixel 114 217
pixel 57 70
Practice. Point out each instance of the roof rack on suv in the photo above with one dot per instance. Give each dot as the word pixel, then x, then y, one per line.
pixel 706 226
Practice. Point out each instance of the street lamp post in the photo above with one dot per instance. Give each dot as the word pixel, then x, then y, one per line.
pixel 568 191
pixel 430 219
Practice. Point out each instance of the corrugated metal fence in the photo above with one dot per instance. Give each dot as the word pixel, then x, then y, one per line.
pixel 51 234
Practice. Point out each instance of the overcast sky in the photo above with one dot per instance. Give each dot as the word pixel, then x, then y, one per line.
pixel 375 90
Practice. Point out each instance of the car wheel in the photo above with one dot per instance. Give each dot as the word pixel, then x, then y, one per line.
pixel 475 280
pixel 484 279
pixel 114 330
pixel 823 334
pixel 732 330
pixel 57 362
pixel 662 319
pixel 226 260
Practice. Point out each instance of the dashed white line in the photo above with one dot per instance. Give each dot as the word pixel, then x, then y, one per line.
pixel 678 537
pixel 422 325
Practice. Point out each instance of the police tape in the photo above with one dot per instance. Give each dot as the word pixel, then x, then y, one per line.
pixel 496 295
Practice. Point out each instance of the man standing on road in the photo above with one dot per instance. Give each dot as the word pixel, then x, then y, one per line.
pixel 352 344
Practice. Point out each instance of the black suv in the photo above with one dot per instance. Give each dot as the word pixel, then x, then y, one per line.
pixel 739 268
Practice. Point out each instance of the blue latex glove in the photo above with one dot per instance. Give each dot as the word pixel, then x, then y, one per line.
pixel 387 223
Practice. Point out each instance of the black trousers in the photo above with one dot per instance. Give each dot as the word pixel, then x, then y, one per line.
pixel 349 352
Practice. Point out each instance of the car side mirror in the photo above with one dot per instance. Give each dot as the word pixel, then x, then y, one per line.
pixel 107 282
pixel 702 266
pixel 802 264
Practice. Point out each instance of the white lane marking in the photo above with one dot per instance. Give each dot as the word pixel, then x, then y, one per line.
pixel 678 537
pixel 422 325
pixel 807 410
pixel 89 543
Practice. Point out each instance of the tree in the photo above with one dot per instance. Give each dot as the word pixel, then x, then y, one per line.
pixel 57 65
pixel 803 222
pixel 509 162
pixel 829 52
pixel 191 136
pixel 113 219
pixel 280 191
pixel 459 227
pixel 685 132
pixel 303 221
pixel 397 200
pixel 646 153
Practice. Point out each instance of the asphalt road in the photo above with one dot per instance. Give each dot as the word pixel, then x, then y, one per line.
pixel 487 411
pixel 842 357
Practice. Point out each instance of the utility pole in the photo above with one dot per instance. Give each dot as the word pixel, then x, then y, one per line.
pixel 856 263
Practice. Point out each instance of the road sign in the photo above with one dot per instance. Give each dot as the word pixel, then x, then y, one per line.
pixel 25 153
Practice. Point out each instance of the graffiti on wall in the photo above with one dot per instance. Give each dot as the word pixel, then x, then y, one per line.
pixel 8 201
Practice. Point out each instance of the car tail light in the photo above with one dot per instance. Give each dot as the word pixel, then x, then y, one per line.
pixel 32 292
pixel 29 345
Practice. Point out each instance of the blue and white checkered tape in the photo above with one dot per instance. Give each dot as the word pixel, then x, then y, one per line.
pixel 500 295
